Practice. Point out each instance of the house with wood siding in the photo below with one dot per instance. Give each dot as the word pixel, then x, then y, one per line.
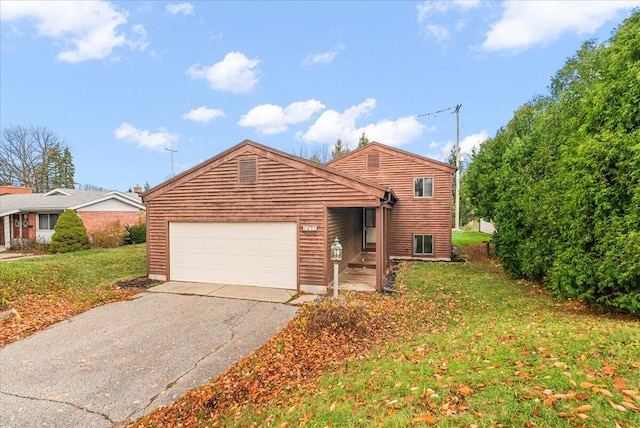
pixel 257 216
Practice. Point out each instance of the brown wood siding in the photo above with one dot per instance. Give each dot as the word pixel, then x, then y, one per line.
pixel 281 193
pixel 346 224
pixel 409 215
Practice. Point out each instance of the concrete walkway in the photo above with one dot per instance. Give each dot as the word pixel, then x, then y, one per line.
pixel 244 292
pixel 7 256
pixel 117 362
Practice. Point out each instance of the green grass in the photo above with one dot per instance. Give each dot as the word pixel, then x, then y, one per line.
pixel 466 238
pixel 80 276
pixel 505 349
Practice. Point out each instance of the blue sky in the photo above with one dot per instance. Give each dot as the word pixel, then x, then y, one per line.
pixel 122 81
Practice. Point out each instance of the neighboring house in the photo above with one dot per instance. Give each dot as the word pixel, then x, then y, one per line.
pixel 32 216
pixel 254 215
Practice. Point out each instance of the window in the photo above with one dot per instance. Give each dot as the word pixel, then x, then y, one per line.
pixel 423 187
pixel 423 244
pixel 47 221
pixel 247 171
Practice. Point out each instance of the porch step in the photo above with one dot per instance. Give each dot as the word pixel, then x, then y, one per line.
pixel 366 265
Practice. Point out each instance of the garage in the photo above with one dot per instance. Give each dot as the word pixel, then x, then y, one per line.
pixel 260 254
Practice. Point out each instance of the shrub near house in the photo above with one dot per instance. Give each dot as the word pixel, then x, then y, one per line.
pixel 69 235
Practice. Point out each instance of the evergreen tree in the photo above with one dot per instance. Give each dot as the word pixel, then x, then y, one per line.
pixel 561 180
pixel 64 170
pixel 363 141
pixel 69 234
pixel 339 150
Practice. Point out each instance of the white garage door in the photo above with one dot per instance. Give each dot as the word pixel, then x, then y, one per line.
pixel 259 254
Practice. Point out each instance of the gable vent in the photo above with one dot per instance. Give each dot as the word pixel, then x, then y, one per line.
pixel 373 160
pixel 247 171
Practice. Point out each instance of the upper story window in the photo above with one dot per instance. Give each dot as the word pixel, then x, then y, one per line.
pixel 423 187
pixel 247 171
pixel 47 221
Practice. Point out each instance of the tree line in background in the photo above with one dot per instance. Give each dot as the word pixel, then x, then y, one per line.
pixel 561 180
pixel 320 154
pixel 35 157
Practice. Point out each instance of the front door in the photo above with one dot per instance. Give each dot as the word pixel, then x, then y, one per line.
pixel 20 222
pixel 369 228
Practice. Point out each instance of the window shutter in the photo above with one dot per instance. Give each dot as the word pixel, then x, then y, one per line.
pixel 373 160
pixel 247 171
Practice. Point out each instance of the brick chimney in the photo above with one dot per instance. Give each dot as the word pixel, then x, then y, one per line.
pixel 11 190
pixel 137 190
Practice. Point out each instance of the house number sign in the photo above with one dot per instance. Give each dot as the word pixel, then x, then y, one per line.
pixel 309 228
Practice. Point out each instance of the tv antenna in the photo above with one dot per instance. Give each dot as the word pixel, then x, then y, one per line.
pixel 172 151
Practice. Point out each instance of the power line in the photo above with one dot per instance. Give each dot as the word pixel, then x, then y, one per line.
pixel 433 113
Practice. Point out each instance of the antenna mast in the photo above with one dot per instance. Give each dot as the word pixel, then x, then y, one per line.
pixel 172 152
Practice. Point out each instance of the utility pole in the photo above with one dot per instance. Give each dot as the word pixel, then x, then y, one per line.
pixel 172 152
pixel 457 110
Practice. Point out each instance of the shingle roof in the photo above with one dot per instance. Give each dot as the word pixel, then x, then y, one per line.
pixel 61 199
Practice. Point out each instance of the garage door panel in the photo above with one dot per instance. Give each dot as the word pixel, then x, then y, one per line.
pixel 260 253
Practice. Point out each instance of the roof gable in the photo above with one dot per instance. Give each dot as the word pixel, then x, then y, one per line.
pixel 248 146
pixel 56 192
pixel 361 151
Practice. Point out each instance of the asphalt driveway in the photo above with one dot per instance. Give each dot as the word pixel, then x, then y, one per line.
pixel 119 361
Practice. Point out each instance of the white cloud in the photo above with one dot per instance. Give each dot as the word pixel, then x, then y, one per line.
pixel 467 145
pixel 87 30
pixel 184 8
pixel 440 32
pixel 332 125
pixel 272 119
pixel 432 24
pixel 394 132
pixel 471 142
pixel 323 58
pixel 148 140
pixel 235 73
pixel 524 24
pixel 203 114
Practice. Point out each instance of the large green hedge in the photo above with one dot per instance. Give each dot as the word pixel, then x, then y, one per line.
pixel 562 179
pixel 69 234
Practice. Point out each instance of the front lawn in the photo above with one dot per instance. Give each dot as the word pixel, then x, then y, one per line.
pixel 464 346
pixel 50 289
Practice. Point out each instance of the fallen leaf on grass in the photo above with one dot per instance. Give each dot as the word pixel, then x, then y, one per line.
pixel 465 390
pixel 606 393
pixel 619 384
pixel 425 418
pixel 631 406
pixel 582 409
pixel 582 416
pixel 617 406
